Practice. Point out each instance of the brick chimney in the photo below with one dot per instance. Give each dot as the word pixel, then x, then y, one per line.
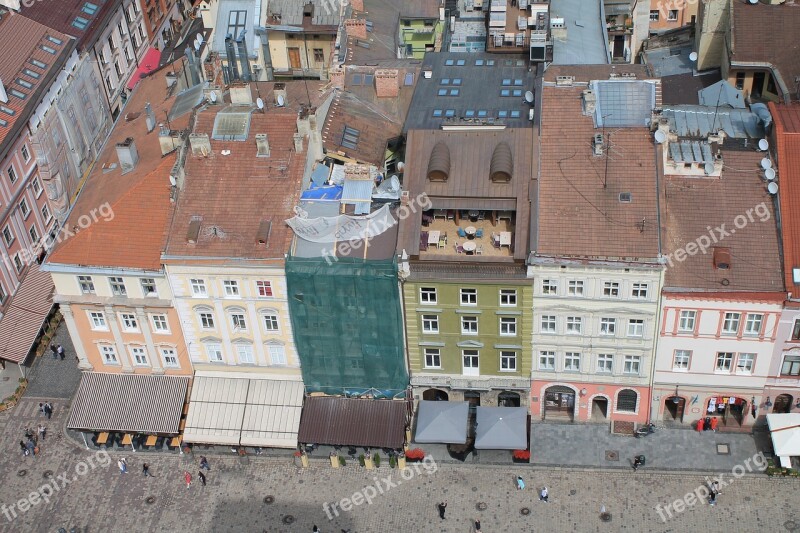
pixel 354 171
pixel 358 5
pixel 337 77
pixel 386 83
pixel 356 28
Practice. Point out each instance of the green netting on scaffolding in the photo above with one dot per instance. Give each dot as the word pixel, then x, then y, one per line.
pixel 347 324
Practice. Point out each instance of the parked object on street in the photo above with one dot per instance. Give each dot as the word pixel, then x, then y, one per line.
pixel 645 430
pixel 638 461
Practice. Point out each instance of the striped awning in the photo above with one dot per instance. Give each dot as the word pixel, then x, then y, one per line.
pixel 28 310
pixel 133 403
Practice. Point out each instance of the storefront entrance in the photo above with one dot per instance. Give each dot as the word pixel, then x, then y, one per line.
pixel 559 402
pixel 508 399
pixel 730 409
pixel 599 410
pixel 673 409
pixel 474 399
pixel 783 403
pixel 435 395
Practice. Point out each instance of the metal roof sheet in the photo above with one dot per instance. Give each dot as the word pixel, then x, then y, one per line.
pixel 624 103
pixel 701 121
pixel 186 100
pixel 353 422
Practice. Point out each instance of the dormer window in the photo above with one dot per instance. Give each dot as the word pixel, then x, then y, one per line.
pixel 722 258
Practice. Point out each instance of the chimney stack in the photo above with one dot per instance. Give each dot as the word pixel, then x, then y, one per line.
pixel 200 144
pixel 240 94
pixel 298 142
pixel 337 77
pixel 358 5
pixel 262 145
pixel 127 154
pixel 386 83
pixel 356 28
pixel 150 117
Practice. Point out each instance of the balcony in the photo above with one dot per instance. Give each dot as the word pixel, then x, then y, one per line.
pixel 447 232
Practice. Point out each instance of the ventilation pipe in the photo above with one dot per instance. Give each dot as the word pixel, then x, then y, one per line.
pixel 233 69
pixel 192 66
pixel 269 73
pixel 150 118
pixel 241 43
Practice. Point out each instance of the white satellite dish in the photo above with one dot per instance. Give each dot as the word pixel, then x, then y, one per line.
pixel 753 2
pixel 529 97
pixel 281 100
pixel 708 168
pixel 772 187
pixel 173 181
pixel 260 103
pixel 197 46
pixel 769 174
pixel 400 166
pixel 660 136
pixel 763 145
pixel 212 96
pixel 693 56
pixel 766 163
pixel 199 38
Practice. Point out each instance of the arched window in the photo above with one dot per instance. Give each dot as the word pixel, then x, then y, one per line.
pixel 205 317
pixel 237 318
pixel 271 320
pixel 626 400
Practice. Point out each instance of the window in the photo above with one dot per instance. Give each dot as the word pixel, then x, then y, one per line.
pixel 231 287
pixel 25 154
pixel 549 286
pixel 572 361
pixel 46 214
pixel 469 113
pixel 148 286
pixel 427 295
pixel 8 236
pixel 632 364
pixel 117 286
pixel 508 325
pixel 24 209
pixel 470 359
pixel 730 326
pixel 214 352
pixel 575 288
pixel 626 400
pixel 791 365
pixel 89 8
pixel 139 355
pixel 170 357
pixel 449 112
pixel 724 362
pixel 515 114
pixel 505 92
pixel 270 321
pixel 753 324
pixel 236 23
pixel 111 44
pixel 687 320
pixel 264 289
pixel 469 297
pixel 109 354
pixel 681 360
pixel 469 325
pixel 605 363
pixel 508 361
pixel 639 291
pixel 796 330
pixel 635 328
pixel 442 92
pixel 18 263
pixel 86 284
pixel 245 353
pixel 672 15
pixel 508 297
pixel 547 360
pixel 740 80
pixel 238 321
pixel 98 320
pixel 437 113
pixel 206 319
pixel 80 22
pixel 611 289
pixel 38 63
pixel 34 235
pixel 12 174
pixel 574 325
pixel 408 79
pixel 433 358
pixel 654 15
pixel 548 324
pixel 608 326
pixel 430 323
pixel 37 187
pixel 129 322
pixel 319 55
pixel 2 294
pixel 277 354
pixel 49 49
pixel 744 363
pixel 160 324
pixel 198 287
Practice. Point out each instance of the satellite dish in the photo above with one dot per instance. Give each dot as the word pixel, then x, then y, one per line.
pixel 400 166
pixel 763 145
pixel 212 96
pixel 173 181
pixel 529 97
pixel 693 56
pixel 197 46
pixel 753 2
pixel 260 103
pixel 281 100
pixel 709 168
pixel 660 136
pixel 769 174
pixel 772 187
pixel 766 163
pixel 199 38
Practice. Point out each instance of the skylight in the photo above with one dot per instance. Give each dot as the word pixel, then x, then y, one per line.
pixel 350 137
pixel 445 81
pixel 18 94
pixel 518 83
pixel 506 82
pixel 37 63
pixel 442 92
pixel 80 23
pixel 502 114
pixel 482 113
pixel 450 113
pixel 48 49
pixel 461 62
pixel 31 73
pixel 437 112
pixel 25 83
pixel 469 113
pixel 454 92
pixel 55 40
pixel 3 123
pixel 515 114
pixel 456 81
pixel 478 62
pixel 490 62
pixel 6 110
pixel 449 62
pixel 517 92
pixel 89 8
pixel 505 92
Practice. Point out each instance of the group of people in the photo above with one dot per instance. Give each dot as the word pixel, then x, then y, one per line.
pixel 46 409
pixel 58 351
pixel 443 507
pixel 543 494
pixel 30 446
pixel 200 475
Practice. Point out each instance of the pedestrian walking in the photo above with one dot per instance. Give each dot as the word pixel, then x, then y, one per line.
pixel 31 447
pixel 637 462
pixel 543 495
pixel 202 477
pixel 60 350
pixel 42 409
pixel 48 410
pixel 520 483
pixel 478 525
pixel 24 448
pixel 146 470
pixel 42 431
pixel 442 507
pixel 315 529
pixel 54 349
pixel 188 477
pixel 204 463
pixel 123 466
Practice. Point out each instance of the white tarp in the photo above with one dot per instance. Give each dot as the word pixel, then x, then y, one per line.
pixel 343 227
pixel 785 431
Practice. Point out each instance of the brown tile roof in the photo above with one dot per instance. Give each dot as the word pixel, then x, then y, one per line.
pixel 787 133
pixel 234 194
pixel 693 204
pixel 21 41
pixel 299 94
pixel 134 238
pixel 468 185
pixel 61 19
pixel 762 33
pixel 578 215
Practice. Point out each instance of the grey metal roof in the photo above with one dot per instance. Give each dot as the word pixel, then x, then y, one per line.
pixel 326 12
pixel 586 42
pixel 442 422
pixel 721 93
pixel 359 194
pixel 231 126
pixel 501 428
pixel 669 60
pixel 186 100
pixel 624 103
pixel 473 83
pixel 686 151
pixel 700 121
pixel 223 17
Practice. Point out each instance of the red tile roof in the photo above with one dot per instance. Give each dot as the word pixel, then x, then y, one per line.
pixel 787 134
pixel 61 19
pixel 134 238
pixel 692 204
pixel 233 194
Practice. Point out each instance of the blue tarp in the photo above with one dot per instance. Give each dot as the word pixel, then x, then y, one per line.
pixel 329 192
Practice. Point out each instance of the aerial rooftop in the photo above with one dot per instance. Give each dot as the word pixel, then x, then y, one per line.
pixel 82 19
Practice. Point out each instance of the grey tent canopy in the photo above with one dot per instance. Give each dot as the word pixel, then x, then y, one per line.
pixel 442 422
pixel 501 428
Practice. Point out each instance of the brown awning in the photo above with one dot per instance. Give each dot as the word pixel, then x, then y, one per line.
pixel 353 422
pixel 27 312
pixel 133 403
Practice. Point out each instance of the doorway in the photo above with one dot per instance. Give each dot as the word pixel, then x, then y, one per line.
pixel 674 407
pixel 730 408
pixel 599 410
pixel 619 46
pixel 508 399
pixel 435 395
pixel 294 58
pixel 758 84
pixel 559 402
pixel 783 403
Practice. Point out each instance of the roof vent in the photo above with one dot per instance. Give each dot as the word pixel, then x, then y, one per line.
pixel 565 81
pixel 625 197
pixel 127 154
pixel 722 258
pixel 502 165
pixel 439 163
pixel 200 143
pixel 262 145
pixel 597 144
pixel 151 117
pixel 194 230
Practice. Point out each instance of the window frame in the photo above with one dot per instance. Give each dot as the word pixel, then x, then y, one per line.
pixel 471 353
pixel 574 359
pixel 635 409
pixel 425 296
pixel 605 363
pixel 509 323
pixel 676 366
pixel 430 324
pixel 750 319
pixel 793 362
pixel 206 319
pixel 575 287
pixel 281 355
pixel 163 351
pixel 611 289
pixel 634 325
pixel 572 322
pixel 632 365
pixel 548 357
pixel 144 283
pixel 510 297
pixel 545 320
pixel 271 321
pixel 215 348
pixel 550 286
pixel 157 320
pixel 724 357
pixel 117 285
pixel 97 321
pixel 249 351
pixel 640 291
pixel 429 357
pixel 747 356
pixel 130 322
pixel 264 289
pixel 608 326
pixel 729 320
pixel 85 284
pixel 468 294
pixel 198 288
pixel 230 288
pixel 508 358
pixel 690 318
pixel 238 320
pixel 139 351
pixel 107 350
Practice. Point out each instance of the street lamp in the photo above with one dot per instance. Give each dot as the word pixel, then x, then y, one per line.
pixel 675 398
pixel 768 403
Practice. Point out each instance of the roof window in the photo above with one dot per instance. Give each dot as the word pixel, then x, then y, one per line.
pixel 80 23
pixel 89 8
pixel 31 73
pixel 437 112
pixel 37 63
pixel 449 62
pixel 350 137
pixel 450 113
pixel 55 40
pixel 49 49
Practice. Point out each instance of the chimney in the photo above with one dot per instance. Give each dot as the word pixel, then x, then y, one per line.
pixel 127 154
pixel 200 143
pixel 233 69
pixel 241 94
pixel 356 28
pixel 358 5
pixel 597 144
pixel 358 172
pixel 589 102
pixel 279 93
pixel 386 83
pixel 558 28
pixel 244 60
pixel 168 139
pixel 298 142
pixel 3 95
pixel 150 119
pixel 337 77
pixel 262 145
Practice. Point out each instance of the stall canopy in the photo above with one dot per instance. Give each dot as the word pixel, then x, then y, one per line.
pixel 353 422
pixel 24 317
pixel 133 403
pixel 444 422
pixel 501 428
pixel 243 410
pixel 785 431
pixel 147 64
